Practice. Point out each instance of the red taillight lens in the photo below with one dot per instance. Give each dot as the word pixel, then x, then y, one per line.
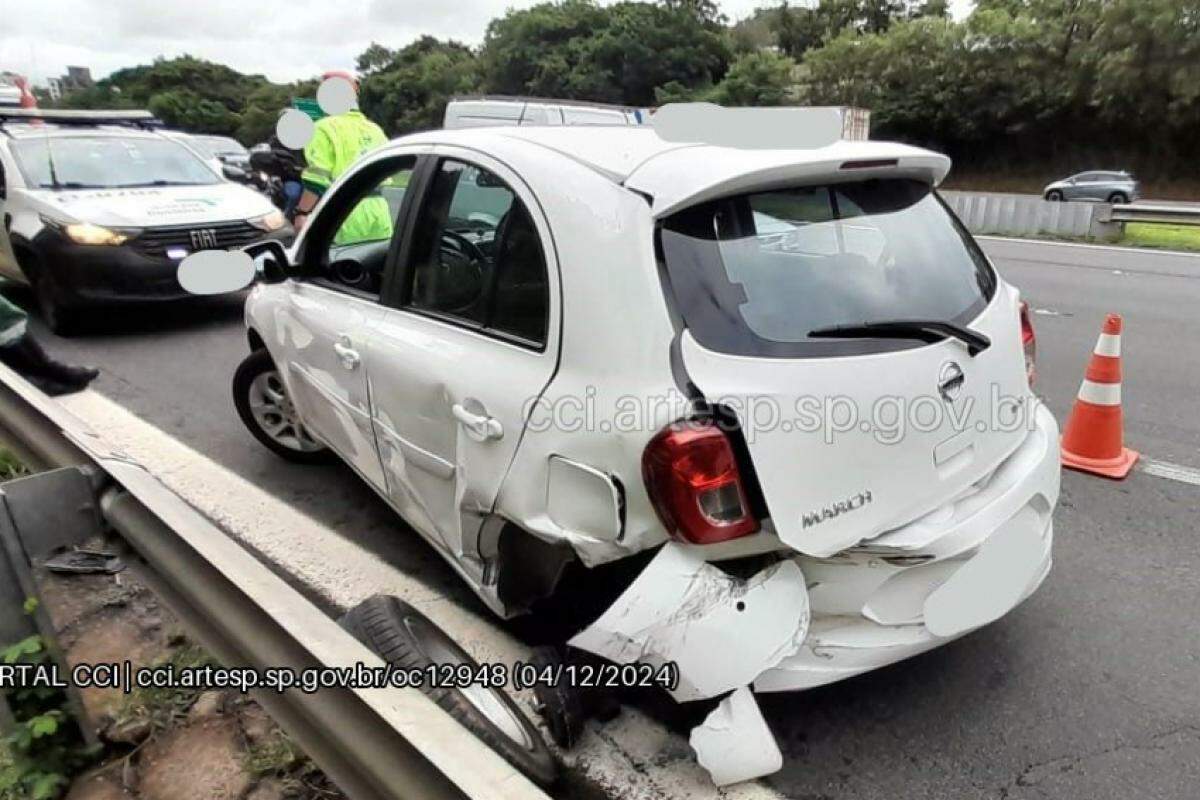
pixel 693 480
pixel 1028 341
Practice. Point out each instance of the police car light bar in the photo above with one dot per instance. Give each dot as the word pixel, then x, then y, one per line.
pixel 139 119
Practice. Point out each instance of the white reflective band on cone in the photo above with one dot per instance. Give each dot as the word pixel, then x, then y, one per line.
pixel 1100 394
pixel 1109 344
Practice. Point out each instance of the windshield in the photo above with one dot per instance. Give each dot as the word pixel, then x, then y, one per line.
pixel 223 145
pixel 756 273
pixel 109 162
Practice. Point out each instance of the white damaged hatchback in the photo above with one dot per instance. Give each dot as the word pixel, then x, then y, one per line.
pixel 783 387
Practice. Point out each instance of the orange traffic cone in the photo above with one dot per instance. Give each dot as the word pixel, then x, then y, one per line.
pixel 1092 441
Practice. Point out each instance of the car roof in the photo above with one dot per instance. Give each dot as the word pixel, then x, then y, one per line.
pixel 675 174
pixel 25 130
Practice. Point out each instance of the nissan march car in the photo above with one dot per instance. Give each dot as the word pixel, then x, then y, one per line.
pixel 786 384
pixel 101 210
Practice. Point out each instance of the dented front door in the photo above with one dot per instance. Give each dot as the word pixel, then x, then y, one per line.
pixel 471 345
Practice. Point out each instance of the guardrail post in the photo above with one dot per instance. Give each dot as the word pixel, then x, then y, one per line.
pixel 1103 226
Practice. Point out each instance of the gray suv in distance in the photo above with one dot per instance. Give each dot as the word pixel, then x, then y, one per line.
pixel 1105 187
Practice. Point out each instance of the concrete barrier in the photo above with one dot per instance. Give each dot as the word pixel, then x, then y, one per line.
pixel 1018 215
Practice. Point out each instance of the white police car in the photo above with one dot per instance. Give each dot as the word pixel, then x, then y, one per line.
pixel 100 209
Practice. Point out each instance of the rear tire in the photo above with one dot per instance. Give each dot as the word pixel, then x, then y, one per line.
pixel 404 638
pixel 262 403
pixel 1118 198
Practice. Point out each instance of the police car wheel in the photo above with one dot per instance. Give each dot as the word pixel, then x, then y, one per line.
pixel 262 402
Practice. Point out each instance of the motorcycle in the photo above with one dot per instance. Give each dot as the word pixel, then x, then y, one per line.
pixel 267 175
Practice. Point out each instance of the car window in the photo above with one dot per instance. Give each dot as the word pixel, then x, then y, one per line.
pixel 109 162
pixel 354 256
pixel 477 257
pixel 223 145
pixel 755 274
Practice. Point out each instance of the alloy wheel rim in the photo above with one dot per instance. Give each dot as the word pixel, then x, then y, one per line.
pixel 486 700
pixel 276 416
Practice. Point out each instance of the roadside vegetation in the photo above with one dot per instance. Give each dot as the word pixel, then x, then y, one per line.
pixel 1167 237
pixel 1035 88
pixel 10 466
pixel 45 748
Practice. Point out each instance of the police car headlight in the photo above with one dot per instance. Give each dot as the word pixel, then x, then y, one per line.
pixel 269 222
pixel 87 233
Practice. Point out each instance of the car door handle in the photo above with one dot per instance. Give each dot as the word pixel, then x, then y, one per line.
pixel 347 355
pixel 479 427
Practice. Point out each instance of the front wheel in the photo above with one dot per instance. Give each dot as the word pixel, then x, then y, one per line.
pixel 263 404
pixel 61 319
pixel 1054 196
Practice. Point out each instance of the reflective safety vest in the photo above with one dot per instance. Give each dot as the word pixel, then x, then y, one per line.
pixel 337 143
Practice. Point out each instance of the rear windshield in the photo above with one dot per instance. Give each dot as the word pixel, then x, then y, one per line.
pixel 108 162
pixel 756 273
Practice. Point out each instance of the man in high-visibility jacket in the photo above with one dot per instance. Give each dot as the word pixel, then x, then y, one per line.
pixel 337 142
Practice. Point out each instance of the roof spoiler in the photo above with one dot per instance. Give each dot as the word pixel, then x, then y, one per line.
pixel 134 119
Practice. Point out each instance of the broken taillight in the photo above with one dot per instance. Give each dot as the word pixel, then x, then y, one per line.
pixel 693 480
pixel 1028 342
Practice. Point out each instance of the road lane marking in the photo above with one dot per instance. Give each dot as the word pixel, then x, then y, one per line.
pixel 1172 472
pixel 1080 246
pixel 632 757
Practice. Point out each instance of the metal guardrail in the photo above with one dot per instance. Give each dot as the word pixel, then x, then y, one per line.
pixel 1027 215
pixel 376 744
pixel 1165 215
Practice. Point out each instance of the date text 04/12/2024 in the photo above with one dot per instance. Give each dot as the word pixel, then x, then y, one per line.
pixel 519 675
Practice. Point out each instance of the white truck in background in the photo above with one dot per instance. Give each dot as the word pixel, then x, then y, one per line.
pixel 489 111
pixel 10 95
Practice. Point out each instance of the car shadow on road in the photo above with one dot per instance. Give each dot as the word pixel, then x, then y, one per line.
pixel 139 319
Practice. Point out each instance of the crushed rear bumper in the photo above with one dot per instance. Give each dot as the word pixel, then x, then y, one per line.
pixel 953 571
pixel 805 622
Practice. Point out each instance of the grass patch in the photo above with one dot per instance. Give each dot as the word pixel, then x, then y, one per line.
pixel 278 755
pixel 10 467
pixel 1168 237
pixel 162 707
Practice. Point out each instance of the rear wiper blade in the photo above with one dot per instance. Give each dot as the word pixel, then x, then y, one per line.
pixel 923 330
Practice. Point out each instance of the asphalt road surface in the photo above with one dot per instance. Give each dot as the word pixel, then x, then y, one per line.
pixel 1090 690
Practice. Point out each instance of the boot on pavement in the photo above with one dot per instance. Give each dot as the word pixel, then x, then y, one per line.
pixel 27 357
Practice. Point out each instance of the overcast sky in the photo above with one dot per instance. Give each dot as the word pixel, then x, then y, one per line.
pixel 283 39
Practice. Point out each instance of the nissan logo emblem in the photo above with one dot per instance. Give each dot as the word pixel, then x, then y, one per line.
pixel 950 381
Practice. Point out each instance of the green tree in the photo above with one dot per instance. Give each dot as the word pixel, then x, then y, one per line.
pixel 1146 59
pixel 190 94
pixel 798 30
pixel 374 58
pixel 410 91
pixel 264 105
pixel 757 79
pixel 619 53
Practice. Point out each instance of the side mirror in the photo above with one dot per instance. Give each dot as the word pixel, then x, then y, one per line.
pixel 234 173
pixel 270 260
pixel 223 271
